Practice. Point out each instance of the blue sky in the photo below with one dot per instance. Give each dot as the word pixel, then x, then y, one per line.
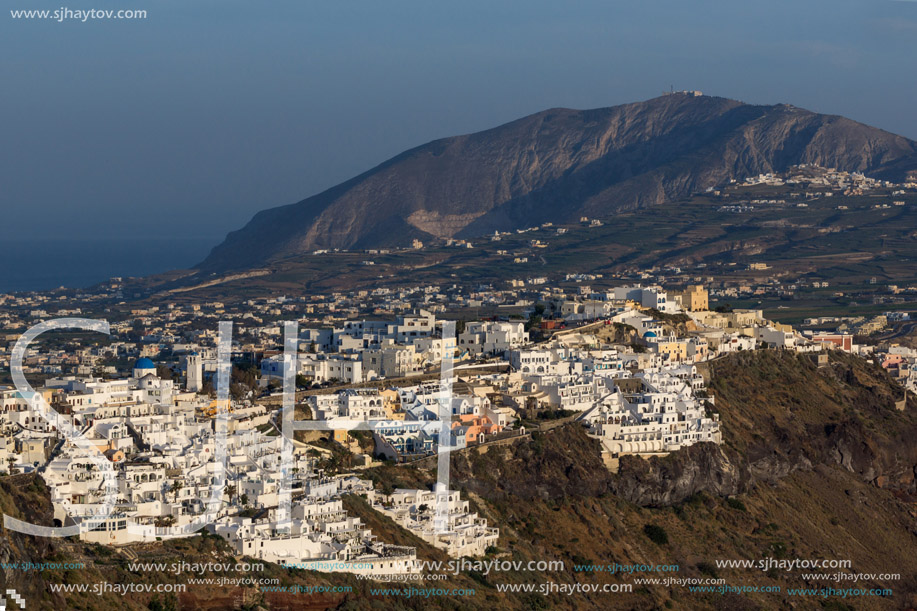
pixel 188 122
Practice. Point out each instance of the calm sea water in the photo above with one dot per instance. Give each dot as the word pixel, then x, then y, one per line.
pixel 37 265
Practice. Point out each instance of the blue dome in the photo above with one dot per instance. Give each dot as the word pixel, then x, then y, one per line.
pixel 649 334
pixel 144 363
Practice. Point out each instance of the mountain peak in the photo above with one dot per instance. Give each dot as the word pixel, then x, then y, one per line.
pixel 560 164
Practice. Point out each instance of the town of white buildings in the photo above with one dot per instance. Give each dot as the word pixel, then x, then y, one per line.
pixel 622 362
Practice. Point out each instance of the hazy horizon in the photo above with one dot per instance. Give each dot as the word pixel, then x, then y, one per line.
pixel 37 264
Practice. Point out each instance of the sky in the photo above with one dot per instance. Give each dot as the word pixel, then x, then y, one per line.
pixel 186 123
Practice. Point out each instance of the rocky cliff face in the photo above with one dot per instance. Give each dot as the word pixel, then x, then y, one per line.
pixel 558 165
pixel 25 497
pixel 843 415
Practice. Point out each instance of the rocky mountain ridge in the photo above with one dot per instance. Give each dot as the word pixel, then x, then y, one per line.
pixel 559 165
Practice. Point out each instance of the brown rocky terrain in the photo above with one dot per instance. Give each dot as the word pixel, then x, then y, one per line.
pixel 843 414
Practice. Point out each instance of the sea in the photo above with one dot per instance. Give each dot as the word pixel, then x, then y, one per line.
pixel 44 264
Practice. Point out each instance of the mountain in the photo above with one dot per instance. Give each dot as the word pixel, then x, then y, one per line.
pixel 559 165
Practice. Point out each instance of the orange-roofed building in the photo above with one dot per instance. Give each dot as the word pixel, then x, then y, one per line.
pixel 476 426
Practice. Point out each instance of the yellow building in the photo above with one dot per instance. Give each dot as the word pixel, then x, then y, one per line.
pixel 674 349
pixel 695 298
pixel 391 402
